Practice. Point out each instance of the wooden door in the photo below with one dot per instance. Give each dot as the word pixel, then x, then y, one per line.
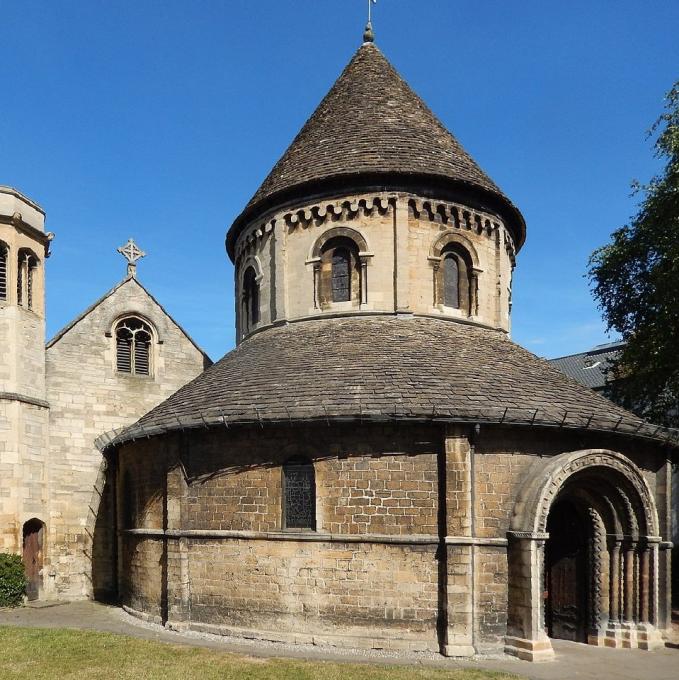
pixel 566 574
pixel 32 556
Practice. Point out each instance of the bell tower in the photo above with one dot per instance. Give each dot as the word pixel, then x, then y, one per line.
pixel 24 411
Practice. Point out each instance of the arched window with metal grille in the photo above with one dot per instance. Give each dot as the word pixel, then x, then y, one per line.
pixel 133 346
pixel 3 272
pixel 299 494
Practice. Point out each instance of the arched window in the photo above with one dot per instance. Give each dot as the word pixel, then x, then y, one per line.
pixel 250 299
pixel 133 347
pixel 299 494
pixel 451 281
pixel 340 279
pixel 27 263
pixel 341 275
pixel 454 287
pixel 3 271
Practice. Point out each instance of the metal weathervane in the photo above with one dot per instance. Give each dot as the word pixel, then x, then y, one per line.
pixel 368 35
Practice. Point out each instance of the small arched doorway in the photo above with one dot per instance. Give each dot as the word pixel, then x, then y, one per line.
pixel 566 573
pixel 33 546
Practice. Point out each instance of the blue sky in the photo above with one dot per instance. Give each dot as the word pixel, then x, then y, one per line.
pixel 159 120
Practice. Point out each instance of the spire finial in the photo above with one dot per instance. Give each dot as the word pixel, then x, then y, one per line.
pixel 131 252
pixel 368 34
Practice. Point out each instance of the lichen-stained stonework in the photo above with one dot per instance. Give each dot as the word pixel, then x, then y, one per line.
pixel 57 399
pixel 375 387
pixel 88 398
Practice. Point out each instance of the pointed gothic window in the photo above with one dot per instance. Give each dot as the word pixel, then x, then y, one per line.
pixel 133 347
pixel 250 299
pixel 27 264
pixel 299 494
pixel 3 271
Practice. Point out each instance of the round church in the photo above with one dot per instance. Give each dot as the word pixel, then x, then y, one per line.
pixel 377 464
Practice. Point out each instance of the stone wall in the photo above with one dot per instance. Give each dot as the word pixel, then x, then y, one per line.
pixel 411 543
pixel 88 397
pixel 397 234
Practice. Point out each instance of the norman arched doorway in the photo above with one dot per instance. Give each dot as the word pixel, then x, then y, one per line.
pixel 567 563
pixel 583 556
pixel 33 549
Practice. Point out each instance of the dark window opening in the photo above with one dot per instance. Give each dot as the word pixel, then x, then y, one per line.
pixel 250 299
pixel 451 282
pixel 341 275
pixel 3 271
pixel 299 494
pixel 27 263
pixel 133 347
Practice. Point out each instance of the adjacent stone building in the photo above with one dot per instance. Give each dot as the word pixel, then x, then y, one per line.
pixel 377 463
pixel 108 367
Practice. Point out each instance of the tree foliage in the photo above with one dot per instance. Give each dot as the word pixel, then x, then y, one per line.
pixel 12 580
pixel 635 280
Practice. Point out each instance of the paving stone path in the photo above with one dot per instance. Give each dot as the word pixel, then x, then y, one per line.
pixel 573 661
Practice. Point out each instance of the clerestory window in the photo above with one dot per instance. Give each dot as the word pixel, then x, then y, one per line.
pixel 299 494
pixel 454 287
pixel 250 303
pixel 133 346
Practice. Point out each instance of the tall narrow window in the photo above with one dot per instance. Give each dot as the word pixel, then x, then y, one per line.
pixel 27 264
pixel 338 277
pixel 341 275
pixel 451 282
pixel 299 494
pixel 3 271
pixel 133 347
pixel 250 299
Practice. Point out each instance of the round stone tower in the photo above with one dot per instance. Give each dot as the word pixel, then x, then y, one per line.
pixel 375 209
pixel 377 463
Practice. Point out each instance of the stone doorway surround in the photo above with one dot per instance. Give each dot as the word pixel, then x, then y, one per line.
pixel 626 554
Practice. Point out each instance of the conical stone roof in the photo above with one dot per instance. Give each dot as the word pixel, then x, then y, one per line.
pixel 385 368
pixel 372 130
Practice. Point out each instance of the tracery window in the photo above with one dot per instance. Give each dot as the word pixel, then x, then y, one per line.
pixel 3 271
pixel 27 264
pixel 299 494
pixel 250 299
pixel 133 346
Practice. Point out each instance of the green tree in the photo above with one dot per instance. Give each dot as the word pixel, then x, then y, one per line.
pixel 635 281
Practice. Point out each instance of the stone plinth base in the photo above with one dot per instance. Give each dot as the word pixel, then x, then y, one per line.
pixel 459 650
pixel 529 650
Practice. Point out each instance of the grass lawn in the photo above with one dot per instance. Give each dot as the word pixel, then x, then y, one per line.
pixel 55 654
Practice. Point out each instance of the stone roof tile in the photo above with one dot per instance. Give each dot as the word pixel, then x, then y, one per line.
pixel 344 368
pixel 372 124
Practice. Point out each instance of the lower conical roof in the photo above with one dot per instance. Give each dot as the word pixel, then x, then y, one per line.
pixel 385 368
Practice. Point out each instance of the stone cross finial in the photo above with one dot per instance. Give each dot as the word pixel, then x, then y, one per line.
pixel 131 252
